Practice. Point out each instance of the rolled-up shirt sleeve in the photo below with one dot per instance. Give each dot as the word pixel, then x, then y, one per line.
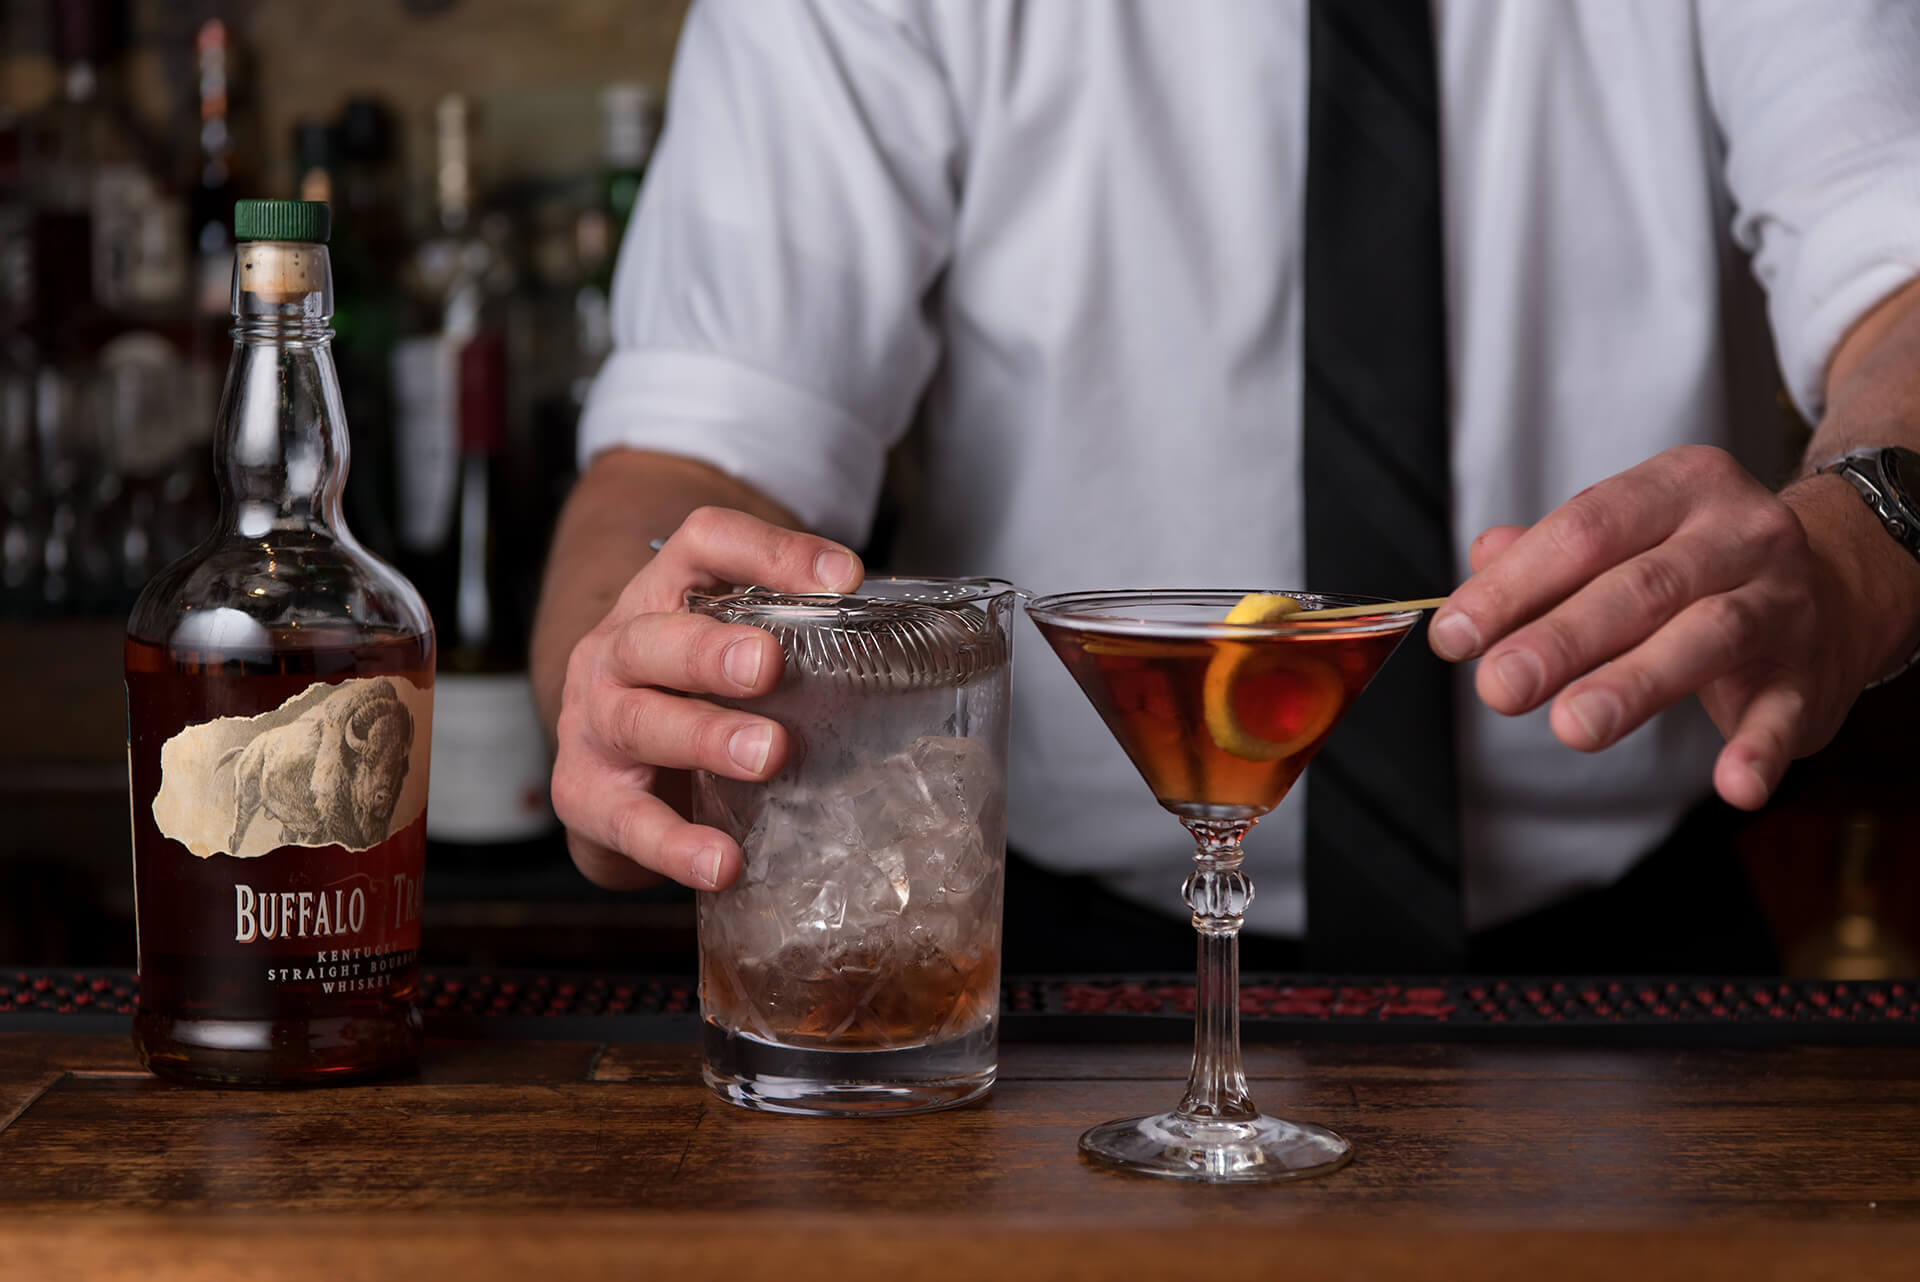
pixel 1820 106
pixel 771 305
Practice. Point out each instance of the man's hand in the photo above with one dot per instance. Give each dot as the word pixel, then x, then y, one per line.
pixel 1683 575
pixel 630 723
pixel 1686 576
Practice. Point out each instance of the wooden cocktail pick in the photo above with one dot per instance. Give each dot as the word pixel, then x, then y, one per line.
pixel 1356 611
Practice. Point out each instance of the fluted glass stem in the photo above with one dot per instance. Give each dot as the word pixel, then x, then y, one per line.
pixel 1218 893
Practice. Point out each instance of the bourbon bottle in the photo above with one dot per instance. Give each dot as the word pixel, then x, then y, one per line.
pixel 279 713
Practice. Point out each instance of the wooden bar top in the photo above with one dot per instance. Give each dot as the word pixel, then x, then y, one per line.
pixel 580 1159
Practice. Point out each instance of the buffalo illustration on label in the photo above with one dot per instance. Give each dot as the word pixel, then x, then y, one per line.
pixel 336 765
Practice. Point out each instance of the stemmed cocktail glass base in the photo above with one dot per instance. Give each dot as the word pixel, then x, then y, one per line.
pixel 1258 1150
pixel 1220 718
pixel 1216 1134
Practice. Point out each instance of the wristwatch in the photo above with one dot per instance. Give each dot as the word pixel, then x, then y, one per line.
pixel 1888 478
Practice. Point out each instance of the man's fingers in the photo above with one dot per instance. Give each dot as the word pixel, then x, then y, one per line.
pixel 692 653
pixel 1452 634
pixel 1757 755
pixel 1703 643
pixel 618 832
pixel 673 732
pixel 718 547
pixel 608 868
pixel 1609 616
pixel 623 732
pixel 1493 540
pixel 1596 529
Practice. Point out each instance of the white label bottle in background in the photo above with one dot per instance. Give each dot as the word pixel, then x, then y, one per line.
pixel 491 762
pixel 464 530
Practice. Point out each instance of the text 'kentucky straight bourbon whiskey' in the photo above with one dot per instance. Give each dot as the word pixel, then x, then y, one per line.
pixel 279 712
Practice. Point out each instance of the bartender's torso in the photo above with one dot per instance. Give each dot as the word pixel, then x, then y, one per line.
pixel 1111 390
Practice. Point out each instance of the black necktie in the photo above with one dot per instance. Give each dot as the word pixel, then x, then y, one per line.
pixel 1383 845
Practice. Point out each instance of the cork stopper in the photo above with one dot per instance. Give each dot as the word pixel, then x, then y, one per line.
pixel 277 271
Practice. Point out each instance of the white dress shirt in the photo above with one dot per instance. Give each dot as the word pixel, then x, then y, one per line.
pixel 1065 234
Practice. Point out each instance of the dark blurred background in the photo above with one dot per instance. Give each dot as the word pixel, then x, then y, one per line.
pixel 481 157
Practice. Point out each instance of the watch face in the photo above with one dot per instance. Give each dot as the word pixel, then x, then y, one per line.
pixel 1902 469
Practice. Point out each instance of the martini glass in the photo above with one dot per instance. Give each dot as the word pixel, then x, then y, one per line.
pixel 1220 719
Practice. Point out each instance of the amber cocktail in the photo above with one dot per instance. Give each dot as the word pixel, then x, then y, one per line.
pixel 1220 699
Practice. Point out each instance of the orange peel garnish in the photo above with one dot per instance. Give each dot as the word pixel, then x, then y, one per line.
pixel 1238 661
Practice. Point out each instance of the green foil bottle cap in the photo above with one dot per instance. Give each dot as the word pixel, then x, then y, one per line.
pixel 308 220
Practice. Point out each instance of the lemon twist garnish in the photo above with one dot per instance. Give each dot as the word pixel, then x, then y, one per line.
pixel 1238 660
pixel 1262 607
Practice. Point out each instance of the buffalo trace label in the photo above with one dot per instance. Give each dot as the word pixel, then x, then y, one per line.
pixel 341 764
pixel 303 914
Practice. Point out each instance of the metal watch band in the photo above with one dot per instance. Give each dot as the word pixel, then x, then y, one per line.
pixel 1872 472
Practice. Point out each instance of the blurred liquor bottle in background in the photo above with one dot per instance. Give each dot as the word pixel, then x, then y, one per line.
pixel 630 119
pixel 22 511
pixel 455 286
pixel 367 268
pixel 313 162
pixel 629 125
pixel 370 180
pixel 577 335
pixel 109 322
pixel 110 230
pixel 463 526
pixel 221 172
pixel 1856 943
pixel 367 298
pixel 224 164
pixel 491 763
pixel 16 235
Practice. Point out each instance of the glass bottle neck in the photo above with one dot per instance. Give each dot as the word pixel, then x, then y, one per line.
pixel 280 443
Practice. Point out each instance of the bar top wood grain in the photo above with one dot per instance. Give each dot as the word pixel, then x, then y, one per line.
pixel 558 1160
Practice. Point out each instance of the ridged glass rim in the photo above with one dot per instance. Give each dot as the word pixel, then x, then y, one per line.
pixel 1074 610
pixel 826 606
pixel 897 633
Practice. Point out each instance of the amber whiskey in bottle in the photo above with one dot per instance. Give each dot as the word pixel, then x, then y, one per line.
pixel 279 714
